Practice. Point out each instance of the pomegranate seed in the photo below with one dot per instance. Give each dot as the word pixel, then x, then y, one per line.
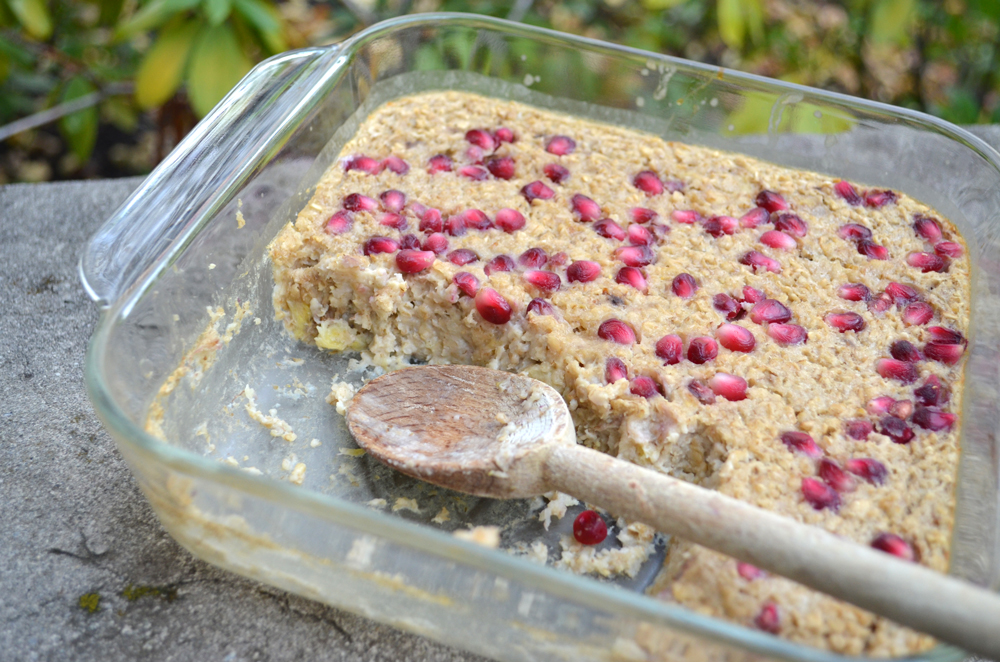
pixel 430 220
pixel 932 393
pixel 640 236
pixel 556 173
pixel 754 217
pixel 880 405
pixel 583 271
pixel 948 336
pixel 758 261
pixel 749 572
pixel 499 263
pixel 918 313
pixel 410 242
pixel 609 229
pixel 411 261
pixel 439 163
pixel 635 256
pixel 768 619
pixel 481 139
pixel 872 251
pixel 776 239
pixel 380 245
pixel 927 228
pixel 853 292
pixel 501 167
pixel 834 476
pixel 702 350
pixel 462 257
pixel 871 470
pixel 787 334
pixel 492 306
pixel 890 543
pixel 543 280
pixel 854 232
pixel 791 224
pixel 541 307
pixel 339 223
pixel 820 495
pixel 948 249
pixel 880 303
pixel 536 190
pixel 455 225
pixel 943 352
pixel 585 208
pixel 684 286
pixel 927 262
pixel 476 220
pixel 631 276
pixel 752 294
pixel 365 164
pixel 728 386
pixel 844 322
pixel 848 193
pixel 643 386
pixel 736 338
pixel 670 349
pixel 701 391
pixel 858 429
pixel 687 216
pixel 474 154
pixel 475 173
pixel 720 225
pixel 642 215
pixel 589 528
pixel 393 200
pixel 358 202
pixel 467 283
pixel 933 419
pixel 558 259
pixel 396 165
pixel 904 350
pixel 902 294
pixel 901 409
pixel 896 369
pixel 560 145
pixel 395 221
pixel 616 331
pixel 533 257
pixel 801 442
pixel 728 306
pixel 504 135
pixel 771 201
pixel 437 242
pixel 875 198
pixel 614 369
pixel 648 182
pixel 769 311
pixel 896 429
pixel 509 220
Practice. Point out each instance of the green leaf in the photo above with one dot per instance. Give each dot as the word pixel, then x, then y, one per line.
pixel 110 11
pixel 266 20
pixel 216 11
pixel 121 113
pixel 217 64
pixel 4 67
pixel 732 26
pixel 891 20
pixel 755 20
pixel 658 5
pixel 34 16
pixel 17 54
pixel 162 68
pixel 80 128
pixel 152 15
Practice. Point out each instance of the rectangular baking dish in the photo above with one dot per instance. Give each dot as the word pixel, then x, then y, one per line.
pixel 181 274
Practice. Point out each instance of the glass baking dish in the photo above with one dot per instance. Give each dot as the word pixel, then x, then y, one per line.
pixel 181 274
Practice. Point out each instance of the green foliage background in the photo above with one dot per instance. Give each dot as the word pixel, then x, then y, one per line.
pixel 182 56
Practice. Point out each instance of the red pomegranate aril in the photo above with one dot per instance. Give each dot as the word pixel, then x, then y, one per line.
pixel 895 369
pixel 758 261
pixel 648 182
pixel 918 314
pixel 412 261
pixel 890 543
pixel 380 245
pixel 896 429
pixel 791 224
pixel 589 528
pixel 720 225
pixel 436 242
pixel 616 331
pixel 455 225
pixel 902 294
pixel 880 303
pixel 802 443
pixel 880 405
pixel 728 306
pixel 904 350
pixel 556 173
pixel 643 386
pixel 583 271
pixel 474 154
pixel 481 139
pixel 439 163
pixel 769 311
pixel 755 217
pixel 927 262
pixel 631 276
pixel 854 232
pixel 396 165
pixel 475 219
pixel 858 429
pixel 541 307
pixel 819 495
pixel 410 242
pixel 642 215
pixel 901 409
pixel 876 198
pixel 475 173
pixel 501 167
pixel 365 164
pixel 776 239
pixel 749 572
pixel 685 216
pixel 753 295
pixel 871 470
pixel 536 190
pixel 787 334
pixel 614 369
pixel 848 193
pixel 462 257
pixel 933 419
pixel 585 208
pixel 640 236
pixel 844 322
pixel 944 335
pixel 358 202
pixel 466 283
pixel 853 292
pixel 831 474
pixel 949 249
pixel 492 306
pixel 670 349
pixel 543 280
pixel 943 352
pixel 393 200
pixel 395 221
pixel 609 229
pixel 504 135
pixel 509 220
pixel 927 228
pixel 768 619
pixel 872 251
pixel 932 393
pixel 533 258
pixel 558 259
pixel 499 263
pixel 684 285
pixel 728 386
pixel 701 391
pixel 635 256
pixel 702 350
pixel 771 201
pixel 736 338
pixel 430 220
pixel 560 145
pixel 339 223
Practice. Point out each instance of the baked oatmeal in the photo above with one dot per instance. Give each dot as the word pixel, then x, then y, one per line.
pixel 784 337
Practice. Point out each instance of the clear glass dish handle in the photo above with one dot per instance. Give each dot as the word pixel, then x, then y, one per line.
pixel 253 121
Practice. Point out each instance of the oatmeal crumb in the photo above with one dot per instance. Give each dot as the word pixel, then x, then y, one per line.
pixel 442 516
pixel 403 503
pixel 487 536
pixel 378 503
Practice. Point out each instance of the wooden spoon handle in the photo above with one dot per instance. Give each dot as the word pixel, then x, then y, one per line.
pixel 909 594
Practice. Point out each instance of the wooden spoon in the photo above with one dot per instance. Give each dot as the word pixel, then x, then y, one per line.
pixel 496 434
